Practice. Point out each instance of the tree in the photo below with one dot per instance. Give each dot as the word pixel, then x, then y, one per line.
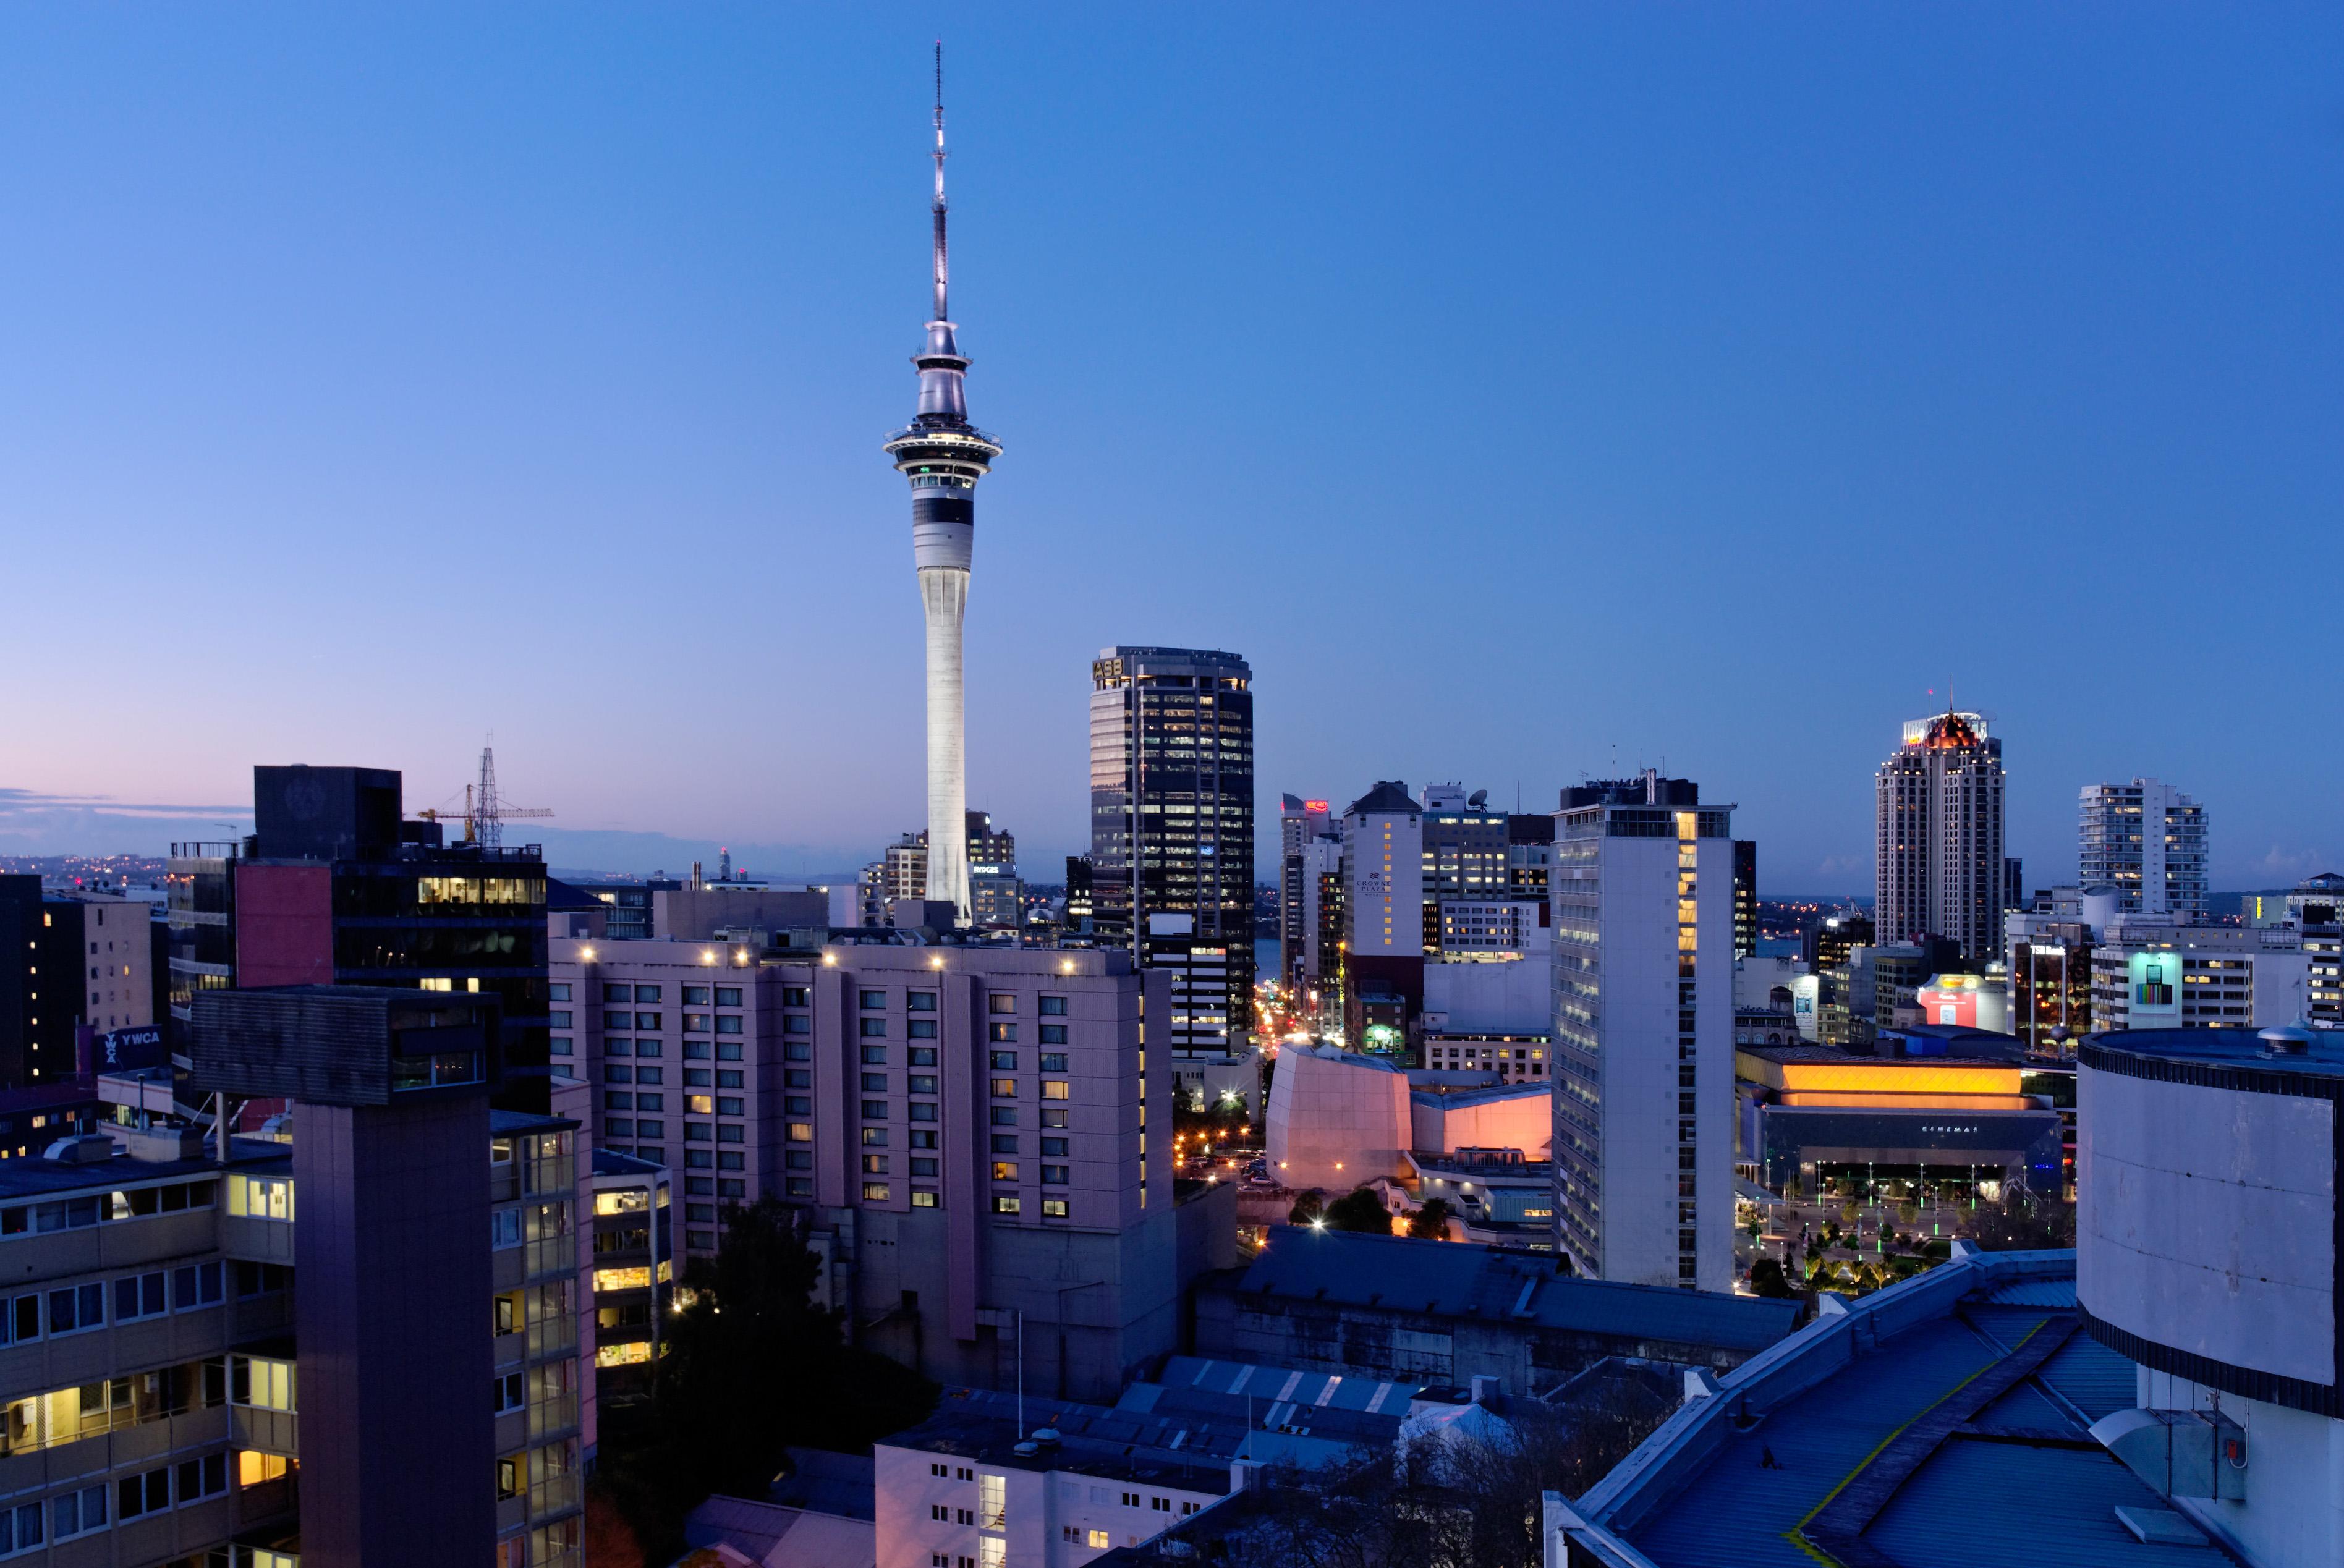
pixel 1767 1278
pixel 1432 1222
pixel 753 1367
pixel 1361 1211
pixel 1308 1209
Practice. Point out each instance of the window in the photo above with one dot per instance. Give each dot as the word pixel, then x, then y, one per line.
pixel 875 1165
pixel 797 996
pixel 1005 1115
pixel 730 996
pixel 650 1102
pixel 1056 1089
pixel 874 999
pixel 920 1001
pixel 507 1392
pixel 876 1054
pixel 646 1021
pixel 264 1383
pixel 1053 1209
pixel 618 1020
pixel 729 1104
pixel 1004 1061
pixel 137 1494
pixel 76 1512
pixel 139 1296
pixel 924 1140
pixel 557 1019
pixel 1054 1118
pixel 1053 1034
pixel 730 1051
pixel 729 1024
pixel 874 1028
pixel 695 996
pixel 261 1196
pixel 875 1083
pixel 729 1132
pixel 1099 1537
pixel 921 1029
pixel 1004 1143
pixel 618 1073
pixel 1003 1203
pixel 75 1309
pixel 923 1055
pixel 695 1023
pixel 195 1285
pixel 647 993
pixel 924 1197
pixel 508 1479
pixel 696 1132
pixel 874 1110
pixel 1054 1146
pixel 991 1501
pixel 874 1192
pixel 875 1137
pixel 557 1044
pixel 1054 1176
pixel 504 1224
pixel 204 1477
pixel 1004 1170
pixel 1054 1061
pixel 1053 1007
pixel 1007 1033
pixel 1005 1089
pixel 254 1466
pixel 801 1132
pixel 559 990
pixel 618 992
pixel 796 1023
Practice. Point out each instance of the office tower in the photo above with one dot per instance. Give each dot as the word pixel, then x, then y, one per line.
pixel 2148 841
pixel 1172 804
pixel 2148 974
pixel 1940 835
pixel 200 916
pixel 1300 824
pixel 1465 853
pixel 1383 912
pixel 1745 898
pixel 997 896
pixel 1529 856
pixel 968 1126
pixel 333 888
pixel 2317 907
pixel 1079 907
pixel 943 456
pixel 2013 883
pixel 1642 895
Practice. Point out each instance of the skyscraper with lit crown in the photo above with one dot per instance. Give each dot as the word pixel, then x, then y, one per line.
pixel 943 456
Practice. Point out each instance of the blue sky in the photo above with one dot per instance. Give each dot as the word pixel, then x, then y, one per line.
pixel 1527 393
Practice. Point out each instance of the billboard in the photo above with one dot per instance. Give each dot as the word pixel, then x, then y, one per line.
pixel 1970 1001
pixel 2153 990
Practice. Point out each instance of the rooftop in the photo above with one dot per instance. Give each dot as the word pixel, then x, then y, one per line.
pixel 1446 1279
pixel 983 1425
pixel 1389 795
pixel 1942 1421
pixel 2241 1050
pixel 39 1177
pixel 1484 1094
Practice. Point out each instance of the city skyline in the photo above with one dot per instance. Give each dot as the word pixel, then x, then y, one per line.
pixel 628 360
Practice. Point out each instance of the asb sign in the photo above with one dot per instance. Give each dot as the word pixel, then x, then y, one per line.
pixel 2153 981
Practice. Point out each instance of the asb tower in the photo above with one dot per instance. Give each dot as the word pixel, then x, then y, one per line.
pixel 943 456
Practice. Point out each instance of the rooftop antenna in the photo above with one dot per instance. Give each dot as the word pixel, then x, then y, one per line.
pixel 939 209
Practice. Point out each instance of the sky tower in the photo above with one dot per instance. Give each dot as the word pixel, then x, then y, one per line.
pixel 943 456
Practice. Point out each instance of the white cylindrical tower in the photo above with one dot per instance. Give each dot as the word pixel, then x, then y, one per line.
pixel 943 456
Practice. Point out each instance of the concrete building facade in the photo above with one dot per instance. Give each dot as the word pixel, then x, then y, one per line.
pixel 2146 840
pixel 1642 895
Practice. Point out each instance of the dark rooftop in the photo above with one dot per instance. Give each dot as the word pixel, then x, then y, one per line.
pixel 1459 1279
pixel 38 1177
pixel 1389 795
pixel 981 1424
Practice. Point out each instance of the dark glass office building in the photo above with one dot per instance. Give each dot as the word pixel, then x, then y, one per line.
pixel 1172 804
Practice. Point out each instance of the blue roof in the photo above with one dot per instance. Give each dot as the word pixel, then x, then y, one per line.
pixel 1461 1280
pixel 1941 1423
pixel 2238 1048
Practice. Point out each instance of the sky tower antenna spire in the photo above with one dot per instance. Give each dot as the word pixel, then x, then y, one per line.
pixel 939 208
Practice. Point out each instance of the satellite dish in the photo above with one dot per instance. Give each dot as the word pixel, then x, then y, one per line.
pixel 1480 798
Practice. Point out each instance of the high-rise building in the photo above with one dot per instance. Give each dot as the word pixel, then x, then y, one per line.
pixel 968 1126
pixel 2149 975
pixel 334 888
pixel 1529 856
pixel 943 456
pixel 1301 823
pixel 72 966
pixel 2148 841
pixel 1642 895
pixel 1465 853
pixel 1172 804
pixel 1745 898
pixel 1940 835
pixel 200 912
pixel 1383 913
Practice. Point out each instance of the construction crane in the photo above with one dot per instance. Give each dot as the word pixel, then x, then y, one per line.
pixel 484 810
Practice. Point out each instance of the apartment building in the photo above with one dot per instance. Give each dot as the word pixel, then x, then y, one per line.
pixel 634 1270
pixel 172 1398
pixel 968 1126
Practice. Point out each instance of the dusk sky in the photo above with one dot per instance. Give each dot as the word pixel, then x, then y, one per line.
pixel 1527 393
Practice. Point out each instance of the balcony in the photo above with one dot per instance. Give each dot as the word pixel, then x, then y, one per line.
pixel 555 1495
pixel 552 1418
pixel 554 1256
pixel 271 1432
pixel 552 1335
